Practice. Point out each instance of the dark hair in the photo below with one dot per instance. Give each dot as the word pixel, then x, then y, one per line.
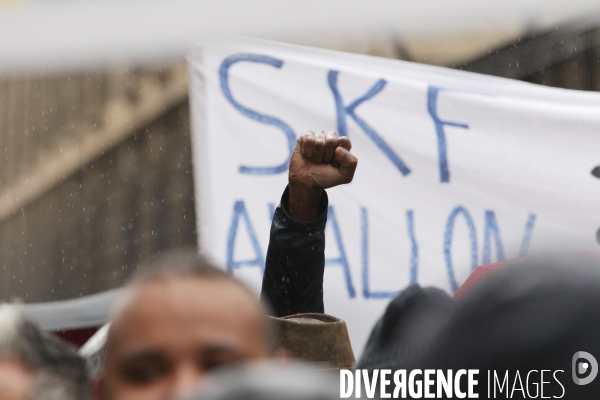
pixel 60 372
pixel 182 262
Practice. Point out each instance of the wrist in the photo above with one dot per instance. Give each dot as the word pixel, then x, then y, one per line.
pixel 303 202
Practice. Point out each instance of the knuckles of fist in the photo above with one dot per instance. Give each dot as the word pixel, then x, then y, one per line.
pixel 322 147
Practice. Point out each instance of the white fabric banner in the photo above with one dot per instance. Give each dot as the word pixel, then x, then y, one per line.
pixel 455 169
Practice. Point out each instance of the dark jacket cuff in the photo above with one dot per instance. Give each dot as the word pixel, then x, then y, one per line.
pixel 290 223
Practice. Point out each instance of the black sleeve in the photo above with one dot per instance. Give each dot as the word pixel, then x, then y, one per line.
pixel 293 279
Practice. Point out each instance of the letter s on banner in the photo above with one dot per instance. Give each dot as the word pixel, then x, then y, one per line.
pixel 262 118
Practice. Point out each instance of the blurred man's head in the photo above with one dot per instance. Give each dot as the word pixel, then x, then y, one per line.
pixel 531 316
pixel 16 380
pixel 36 365
pixel 178 320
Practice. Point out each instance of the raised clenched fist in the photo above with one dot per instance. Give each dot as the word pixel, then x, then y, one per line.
pixel 321 160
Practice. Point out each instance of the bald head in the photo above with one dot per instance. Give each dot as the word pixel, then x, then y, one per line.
pixel 175 324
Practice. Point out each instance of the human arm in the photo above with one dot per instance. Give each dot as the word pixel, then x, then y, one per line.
pixel 293 279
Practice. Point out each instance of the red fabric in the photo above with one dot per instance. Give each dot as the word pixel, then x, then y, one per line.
pixel 77 337
pixel 484 270
pixel 476 276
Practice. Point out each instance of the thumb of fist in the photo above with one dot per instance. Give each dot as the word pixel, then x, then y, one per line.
pixel 347 163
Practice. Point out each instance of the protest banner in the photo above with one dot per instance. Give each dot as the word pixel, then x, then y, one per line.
pixel 455 170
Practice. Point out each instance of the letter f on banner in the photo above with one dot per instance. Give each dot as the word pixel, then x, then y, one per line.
pixel 349 110
pixel 432 97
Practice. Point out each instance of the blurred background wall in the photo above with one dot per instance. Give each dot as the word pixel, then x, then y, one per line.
pixel 95 162
pixel 95 178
